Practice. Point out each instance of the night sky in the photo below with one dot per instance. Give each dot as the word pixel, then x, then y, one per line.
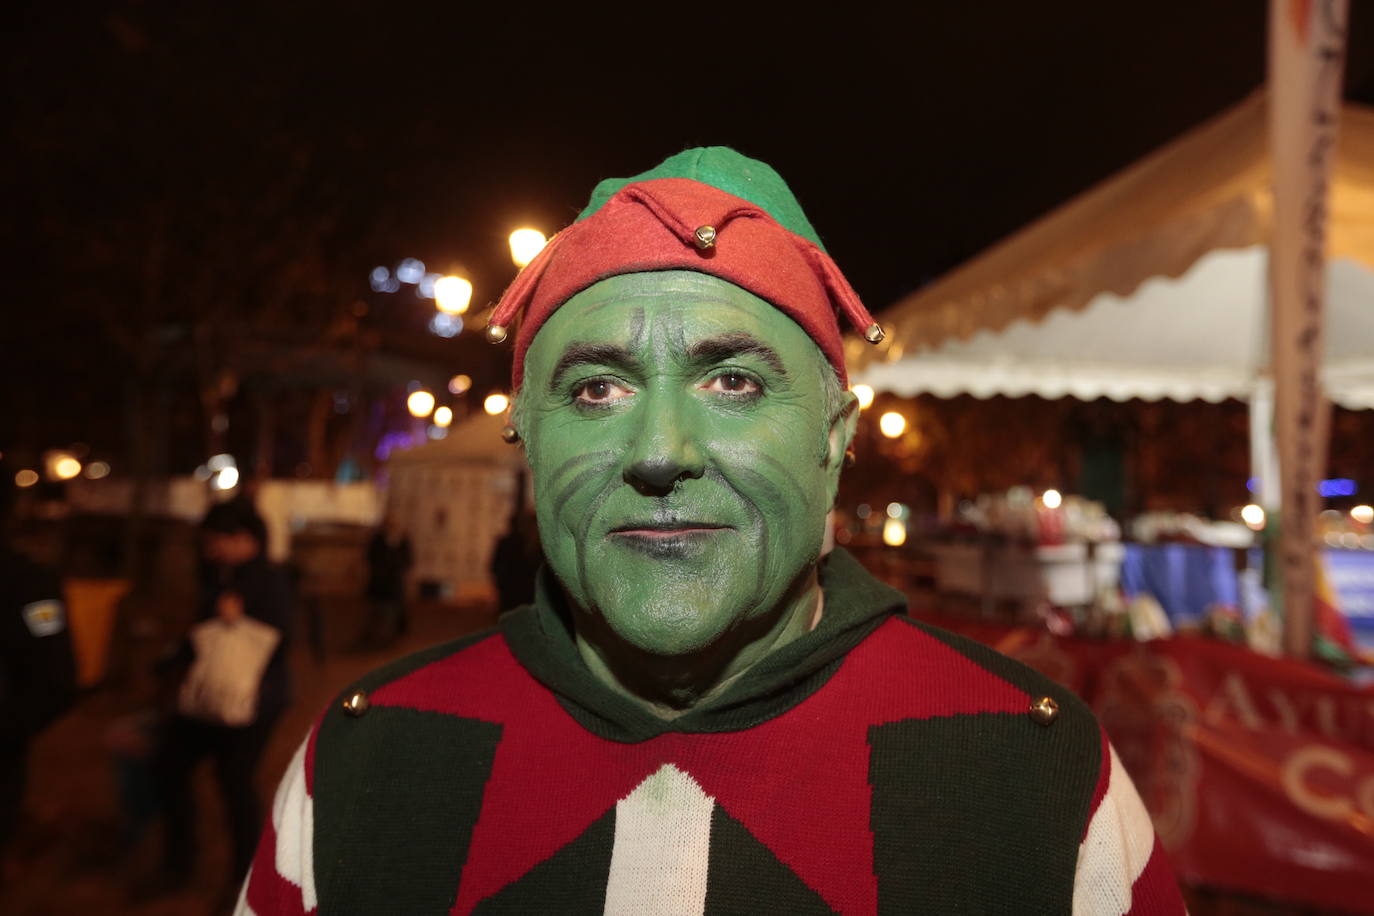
pixel 252 162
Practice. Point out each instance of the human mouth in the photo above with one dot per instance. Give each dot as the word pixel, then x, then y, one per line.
pixel 678 539
pixel 663 530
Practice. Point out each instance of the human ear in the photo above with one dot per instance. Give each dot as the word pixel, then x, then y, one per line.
pixel 843 426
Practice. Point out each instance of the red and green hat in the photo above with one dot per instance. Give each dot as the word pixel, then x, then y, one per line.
pixel 711 210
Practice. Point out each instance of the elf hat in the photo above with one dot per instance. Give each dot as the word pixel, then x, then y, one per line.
pixel 710 210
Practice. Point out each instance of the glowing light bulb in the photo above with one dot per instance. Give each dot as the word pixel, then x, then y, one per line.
pixel 420 403
pixel 443 416
pixel 894 532
pixel 1253 516
pixel 459 384
pixel 1052 499
pixel 452 294
pixel 226 479
pixel 65 467
pixel 26 478
pixel 892 424
pixel 525 244
pixel 865 395
pixel 496 403
pixel 97 469
pixel 1363 514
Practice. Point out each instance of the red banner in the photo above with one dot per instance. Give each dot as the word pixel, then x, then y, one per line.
pixel 1258 772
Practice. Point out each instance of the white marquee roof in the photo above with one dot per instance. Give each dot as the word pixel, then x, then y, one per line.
pixel 1147 285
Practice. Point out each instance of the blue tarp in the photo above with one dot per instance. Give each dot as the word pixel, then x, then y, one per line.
pixel 1186 578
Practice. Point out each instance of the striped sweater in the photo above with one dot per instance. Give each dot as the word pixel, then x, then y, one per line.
pixel 874 765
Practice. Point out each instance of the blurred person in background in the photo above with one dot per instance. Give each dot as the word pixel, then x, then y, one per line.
pixel 37 673
pixel 388 560
pixel 517 555
pixel 237 584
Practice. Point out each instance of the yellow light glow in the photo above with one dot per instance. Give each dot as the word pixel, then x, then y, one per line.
pixel 1253 516
pixel 459 384
pixel 420 403
pixel 26 478
pixel 64 467
pixel 894 532
pixel 1052 499
pixel 865 395
pixel 496 403
pixel 892 424
pixel 452 294
pixel 1363 514
pixel 443 416
pixel 525 244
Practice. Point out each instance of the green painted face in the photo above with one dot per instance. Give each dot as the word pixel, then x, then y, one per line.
pixel 683 458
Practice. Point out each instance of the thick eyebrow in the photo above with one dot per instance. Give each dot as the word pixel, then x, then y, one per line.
pixel 583 354
pixel 727 346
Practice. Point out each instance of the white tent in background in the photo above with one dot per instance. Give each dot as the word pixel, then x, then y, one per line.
pixel 1200 337
pixel 454 497
pixel 1149 285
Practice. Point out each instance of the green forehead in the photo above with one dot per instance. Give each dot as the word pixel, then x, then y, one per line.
pixel 627 310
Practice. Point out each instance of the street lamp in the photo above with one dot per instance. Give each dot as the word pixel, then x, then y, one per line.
pixel 525 244
pixel 62 466
pixel 496 403
pixel 452 294
pixel 420 403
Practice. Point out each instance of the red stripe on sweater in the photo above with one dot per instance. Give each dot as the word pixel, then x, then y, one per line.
pixel 269 894
pixel 1104 777
pixel 310 753
pixel 1155 892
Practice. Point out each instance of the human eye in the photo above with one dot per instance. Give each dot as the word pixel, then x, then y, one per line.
pixel 732 383
pixel 599 392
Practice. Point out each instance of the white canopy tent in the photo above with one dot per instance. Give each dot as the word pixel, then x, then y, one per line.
pixel 454 498
pixel 1200 337
pixel 1149 285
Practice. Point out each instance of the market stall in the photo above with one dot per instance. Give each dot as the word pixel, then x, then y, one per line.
pixel 1151 285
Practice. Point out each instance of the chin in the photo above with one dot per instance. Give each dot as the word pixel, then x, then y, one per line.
pixel 669 628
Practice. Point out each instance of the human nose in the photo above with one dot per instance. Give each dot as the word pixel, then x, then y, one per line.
pixel 665 449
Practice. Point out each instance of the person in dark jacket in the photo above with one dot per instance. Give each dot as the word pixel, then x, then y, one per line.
pixel 37 674
pixel 237 581
pixel 389 556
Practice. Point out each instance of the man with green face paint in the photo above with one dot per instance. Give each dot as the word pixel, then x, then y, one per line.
pixel 700 713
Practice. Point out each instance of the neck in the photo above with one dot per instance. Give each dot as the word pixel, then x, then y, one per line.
pixel 672 685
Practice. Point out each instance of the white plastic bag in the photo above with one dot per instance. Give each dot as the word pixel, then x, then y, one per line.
pixel 222 685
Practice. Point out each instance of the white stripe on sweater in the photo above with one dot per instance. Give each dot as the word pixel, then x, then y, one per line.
pixel 1116 849
pixel 293 819
pixel 662 848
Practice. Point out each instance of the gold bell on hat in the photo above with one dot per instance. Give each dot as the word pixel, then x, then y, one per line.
pixel 874 333
pixel 704 237
pixel 495 333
